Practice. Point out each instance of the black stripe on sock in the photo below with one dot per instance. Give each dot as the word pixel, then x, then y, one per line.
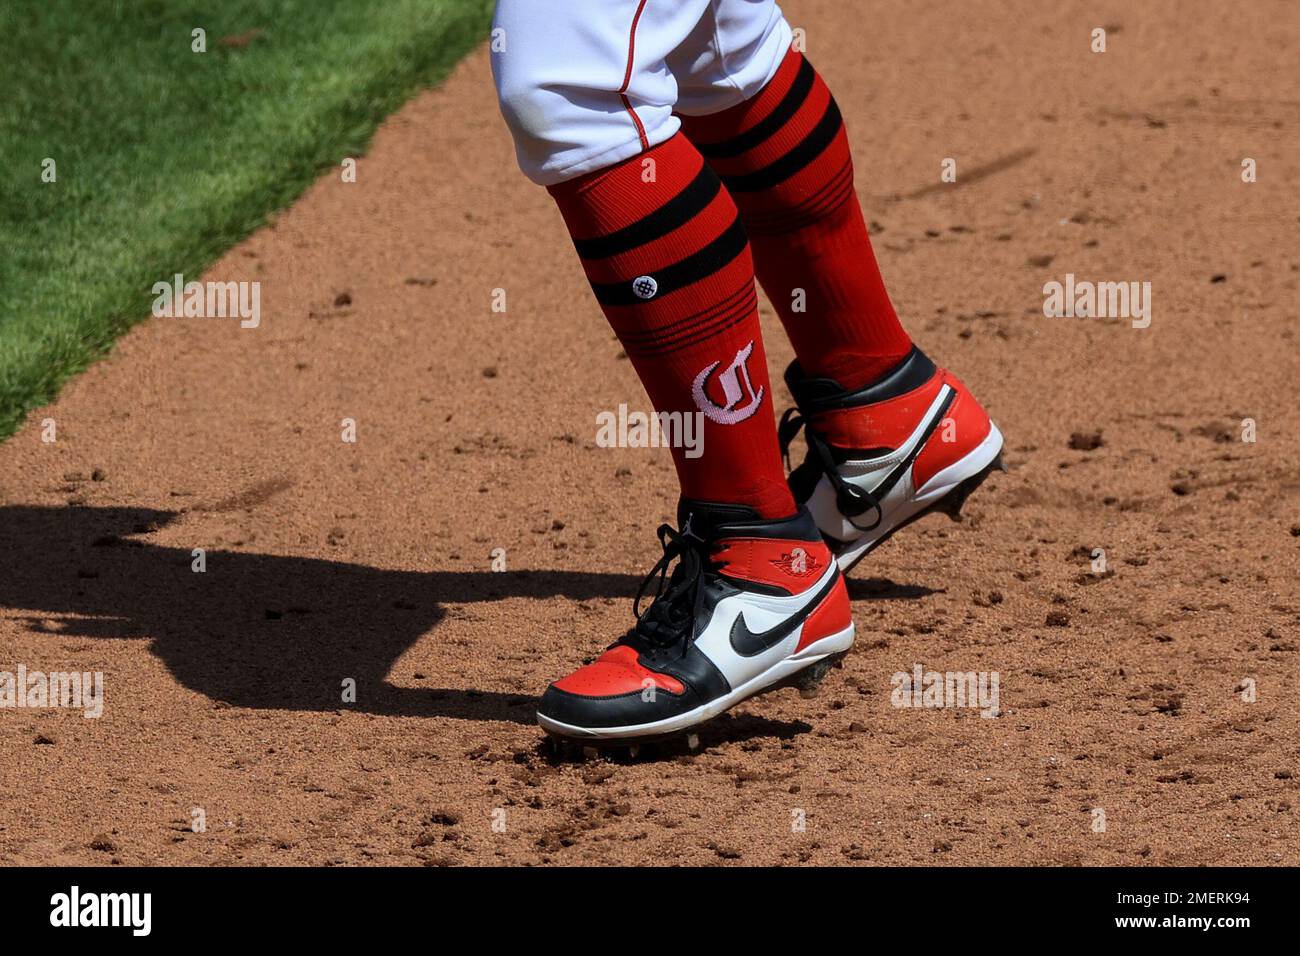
pixel 746 304
pixel 833 194
pixel 789 105
pixel 740 312
pixel 807 150
pixel 844 173
pixel 676 212
pixel 642 337
pixel 698 265
pixel 782 227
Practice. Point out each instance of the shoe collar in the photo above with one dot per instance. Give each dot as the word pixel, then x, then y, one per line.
pixel 711 522
pixel 821 394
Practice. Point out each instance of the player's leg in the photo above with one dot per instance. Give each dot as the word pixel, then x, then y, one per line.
pixel 586 92
pixel 782 152
pixel 890 434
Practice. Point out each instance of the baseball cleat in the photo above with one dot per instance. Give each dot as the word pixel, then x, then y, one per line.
pixel 751 605
pixel 911 442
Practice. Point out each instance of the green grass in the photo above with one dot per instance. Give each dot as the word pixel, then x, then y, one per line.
pixel 166 157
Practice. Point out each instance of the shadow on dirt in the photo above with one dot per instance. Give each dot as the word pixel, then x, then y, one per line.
pixel 266 631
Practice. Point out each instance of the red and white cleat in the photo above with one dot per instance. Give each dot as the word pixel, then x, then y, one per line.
pixel 911 442
pixel 750 605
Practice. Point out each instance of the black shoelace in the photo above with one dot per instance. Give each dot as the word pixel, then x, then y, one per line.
pixel 852 500
pixel 670 618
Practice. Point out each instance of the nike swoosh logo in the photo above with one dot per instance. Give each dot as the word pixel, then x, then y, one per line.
pixel 747 643
pixel 900 469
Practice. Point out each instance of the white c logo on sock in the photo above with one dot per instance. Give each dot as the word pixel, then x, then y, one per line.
pixel 736 385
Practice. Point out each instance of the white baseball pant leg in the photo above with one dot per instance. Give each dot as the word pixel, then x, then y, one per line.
pixel 585 84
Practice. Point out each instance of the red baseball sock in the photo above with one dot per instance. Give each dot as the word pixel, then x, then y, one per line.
pixel 662 245
pixel 783 154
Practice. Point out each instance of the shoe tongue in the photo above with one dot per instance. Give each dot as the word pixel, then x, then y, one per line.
pixel 704 518
pixel 620 654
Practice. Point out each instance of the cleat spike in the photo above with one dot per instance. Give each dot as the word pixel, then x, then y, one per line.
pixel 809 680
pixel 952 504
pixel 590 753
pixel 692 741
pixel 560 748
pixel 956 502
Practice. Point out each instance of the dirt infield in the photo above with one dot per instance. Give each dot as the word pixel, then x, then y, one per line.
pixel 1158 688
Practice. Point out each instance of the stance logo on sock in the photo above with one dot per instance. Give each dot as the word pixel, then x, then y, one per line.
pixel 645 287
pixel 736 385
